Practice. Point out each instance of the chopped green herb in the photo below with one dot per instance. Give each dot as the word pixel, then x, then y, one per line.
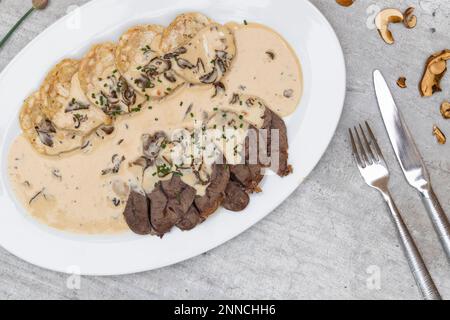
pixel 163 170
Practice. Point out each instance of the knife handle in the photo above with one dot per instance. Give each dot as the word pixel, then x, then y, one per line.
pixel 438 217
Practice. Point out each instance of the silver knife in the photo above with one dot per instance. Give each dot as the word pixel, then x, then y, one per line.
pixel 410 159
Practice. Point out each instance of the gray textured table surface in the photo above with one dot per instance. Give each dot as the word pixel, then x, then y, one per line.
pixel 333 236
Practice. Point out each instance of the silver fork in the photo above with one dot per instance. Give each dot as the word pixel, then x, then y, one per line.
pixel 373 168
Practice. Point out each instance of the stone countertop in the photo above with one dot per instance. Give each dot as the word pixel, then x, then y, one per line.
pixel 332 238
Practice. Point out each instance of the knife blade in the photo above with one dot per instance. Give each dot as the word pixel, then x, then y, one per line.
pixel 410 159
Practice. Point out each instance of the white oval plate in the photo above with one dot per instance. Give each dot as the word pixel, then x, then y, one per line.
pixel 310 129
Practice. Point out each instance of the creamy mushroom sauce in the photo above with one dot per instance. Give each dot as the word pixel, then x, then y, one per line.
pixel 78 192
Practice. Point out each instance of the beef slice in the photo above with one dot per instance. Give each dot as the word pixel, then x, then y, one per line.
pixel 215 192
pixel 160 220
pixel 248 175
pixel 236 199
pixel 277 123
pixel 170 201
pixel 136 213
pixel 190 219
pixel 179 194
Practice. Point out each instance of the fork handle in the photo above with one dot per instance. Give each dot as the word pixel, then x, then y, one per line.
pixel 438 217
pixel 415 260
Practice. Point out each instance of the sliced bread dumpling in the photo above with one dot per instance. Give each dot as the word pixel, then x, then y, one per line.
pixel 140 61
pixel 43 135
pixel 206 57
pixel 65 104
pixel 182 29
pixel 103 84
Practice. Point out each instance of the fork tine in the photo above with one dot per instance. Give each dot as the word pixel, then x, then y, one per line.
pixel 367 145
pixel 375 143
pixel 361 147
pixel 355 150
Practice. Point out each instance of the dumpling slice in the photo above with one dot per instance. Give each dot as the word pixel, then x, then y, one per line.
pixel 182 29
pixel 206 57
pixel 64 103
pixel 103 84
pixel 140 61
pixel 43 135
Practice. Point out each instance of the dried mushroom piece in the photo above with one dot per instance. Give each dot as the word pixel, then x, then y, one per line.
pixel 345 3
pixel 382 21
pixel 401 82
pixel 40 4
pixel 445 109
pixel 440 137
pixel 410 20
pixel 435 69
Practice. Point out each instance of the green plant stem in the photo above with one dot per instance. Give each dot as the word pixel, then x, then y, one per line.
pixel 8 35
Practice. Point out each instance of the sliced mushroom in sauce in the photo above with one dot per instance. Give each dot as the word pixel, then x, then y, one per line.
pixel 209 77
pixel 45 131
pixel 76 105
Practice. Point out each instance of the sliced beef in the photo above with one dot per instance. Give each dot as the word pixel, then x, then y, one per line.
pixel 256 173
pixel 160 221
pixel 268 115
pixel 215 192
pixel 136 213
pixel 179 194
pixel 248 175
pixel 264 146
pixel 284 168
pixel 190 219
pixel 265 139
pixel 259 150
pixel 174 203
pixel 169 202
pixel 236 199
